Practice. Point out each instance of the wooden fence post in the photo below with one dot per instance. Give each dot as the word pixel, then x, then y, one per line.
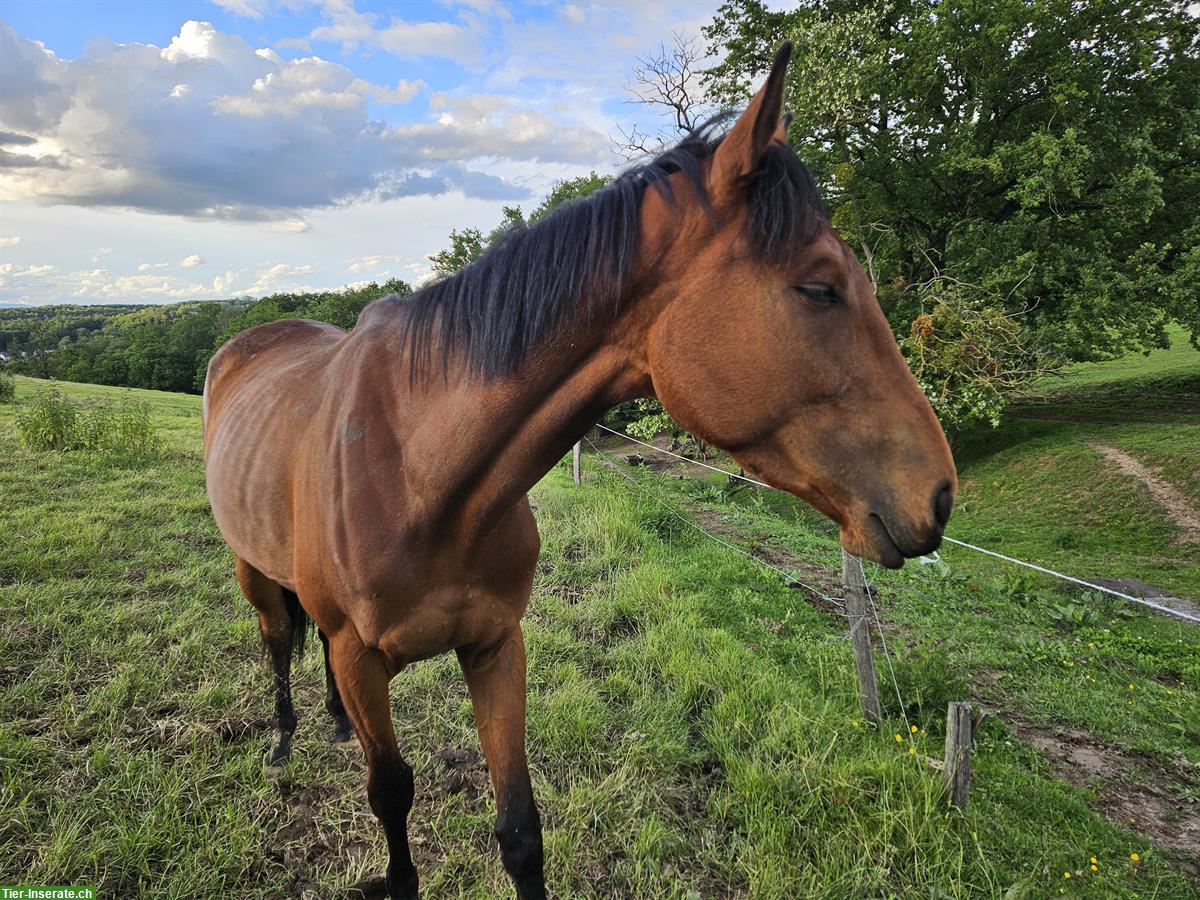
pixel 575 460
pixel 860 636
pixel 959 730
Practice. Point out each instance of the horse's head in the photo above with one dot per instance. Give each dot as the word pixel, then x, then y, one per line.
pixel 770 344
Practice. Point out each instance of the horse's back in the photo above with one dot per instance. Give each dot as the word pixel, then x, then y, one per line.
pixel 271 347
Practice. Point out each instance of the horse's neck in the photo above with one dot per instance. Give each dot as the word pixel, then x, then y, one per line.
pixel 477 446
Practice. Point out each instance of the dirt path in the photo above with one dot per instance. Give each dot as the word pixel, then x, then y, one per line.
pixel 1177 507
pixel 1129 788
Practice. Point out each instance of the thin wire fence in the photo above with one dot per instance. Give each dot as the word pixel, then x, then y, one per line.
pixel 870 592
pixel 1157 607
pixel 788 577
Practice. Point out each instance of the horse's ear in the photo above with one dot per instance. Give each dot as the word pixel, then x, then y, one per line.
pixel 740 152
pixel 781 131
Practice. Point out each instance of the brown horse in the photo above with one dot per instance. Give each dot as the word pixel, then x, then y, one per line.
pixel 375 481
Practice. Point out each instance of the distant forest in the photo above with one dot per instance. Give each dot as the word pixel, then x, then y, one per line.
pixel 165 348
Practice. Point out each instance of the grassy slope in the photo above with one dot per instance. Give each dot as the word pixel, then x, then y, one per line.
pixel 693 724
pixel 1039 490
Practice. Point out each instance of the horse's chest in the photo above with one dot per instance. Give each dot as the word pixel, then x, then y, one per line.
pixel 415 597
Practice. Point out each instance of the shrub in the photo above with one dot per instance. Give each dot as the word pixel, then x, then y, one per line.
pixel 54 422
pixel 969 356
pixel 8 387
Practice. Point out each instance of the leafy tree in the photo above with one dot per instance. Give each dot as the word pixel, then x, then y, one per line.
pixel 468 245
pixel 1036 156
pixel 567 190
pixel 465 247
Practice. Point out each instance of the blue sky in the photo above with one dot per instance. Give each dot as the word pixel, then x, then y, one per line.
pixel 155 152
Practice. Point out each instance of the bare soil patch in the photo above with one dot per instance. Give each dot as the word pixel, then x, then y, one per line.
pixel 1150 592
pixel 1133 790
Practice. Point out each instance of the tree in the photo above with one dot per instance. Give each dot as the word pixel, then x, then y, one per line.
pixel 568 190
pixel 667 79
pixel 1036 157
pixel 468 245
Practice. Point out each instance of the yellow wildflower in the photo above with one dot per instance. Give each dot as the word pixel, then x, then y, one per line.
pixel 1135 857
pixel 913 728
pixel 899 740
pixel 1093 860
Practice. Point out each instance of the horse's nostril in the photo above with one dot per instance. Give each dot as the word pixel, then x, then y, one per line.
pixel 943 502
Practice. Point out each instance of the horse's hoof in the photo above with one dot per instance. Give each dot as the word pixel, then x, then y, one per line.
pixel 404 886
pixel 369 889
pixel 276 760
pixel 343 737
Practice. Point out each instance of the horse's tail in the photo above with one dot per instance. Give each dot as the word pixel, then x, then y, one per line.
pixel 298 619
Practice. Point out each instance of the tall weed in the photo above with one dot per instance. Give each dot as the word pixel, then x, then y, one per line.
pixel 55 422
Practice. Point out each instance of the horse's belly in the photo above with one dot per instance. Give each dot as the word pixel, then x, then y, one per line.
pixel 247 492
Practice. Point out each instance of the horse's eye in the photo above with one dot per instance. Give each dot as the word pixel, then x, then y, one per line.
pixel 820 293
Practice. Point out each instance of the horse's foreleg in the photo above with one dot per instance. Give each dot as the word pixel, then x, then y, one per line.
pixel 363 678
pixel 496 679
pixel 342 731
pixel 276 627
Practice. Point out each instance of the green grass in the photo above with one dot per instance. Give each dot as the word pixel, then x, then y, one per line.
pixel 1179 361
pixel 694 728
pixel 1038 489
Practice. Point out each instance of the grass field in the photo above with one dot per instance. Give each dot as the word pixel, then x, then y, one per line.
pixel 694 728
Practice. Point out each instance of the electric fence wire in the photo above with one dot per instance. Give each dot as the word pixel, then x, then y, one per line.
pixel 1158 607
pixel 787 577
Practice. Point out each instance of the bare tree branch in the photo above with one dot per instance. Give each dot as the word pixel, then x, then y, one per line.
pixel 667 79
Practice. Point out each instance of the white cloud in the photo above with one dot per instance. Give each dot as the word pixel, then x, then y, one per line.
pixel 408 40
pixel 140 287
pixel 146 267
pixel 210 128
pixel 10 241
pixel 190 262
pixel 270 278
pixel 10 271
pixel 370 264
pixel 251 9
pixel 289 226
pixel 100 252
pixel 221 284
pixel 403 92
pixel 294 44
pixel 476 125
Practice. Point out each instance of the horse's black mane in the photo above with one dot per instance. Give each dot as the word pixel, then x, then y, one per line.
pixel 577 260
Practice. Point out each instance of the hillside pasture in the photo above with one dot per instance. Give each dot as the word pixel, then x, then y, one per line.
pixel 694 728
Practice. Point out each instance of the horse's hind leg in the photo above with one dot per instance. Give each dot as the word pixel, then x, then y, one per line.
pixel 281 622
pixel 342 731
